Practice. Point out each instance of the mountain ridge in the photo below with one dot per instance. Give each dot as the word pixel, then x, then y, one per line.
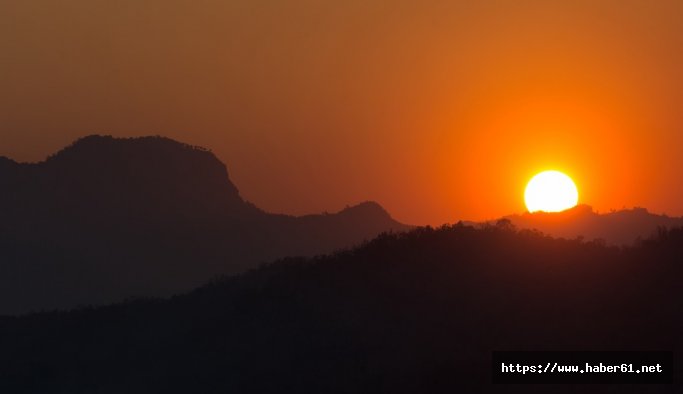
pixel 413 312
pixel 623 227
pixel 145 216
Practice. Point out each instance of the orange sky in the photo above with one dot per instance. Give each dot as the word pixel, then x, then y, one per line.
pixel 438 110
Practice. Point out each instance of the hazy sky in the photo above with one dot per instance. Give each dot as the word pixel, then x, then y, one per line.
pixel 439 110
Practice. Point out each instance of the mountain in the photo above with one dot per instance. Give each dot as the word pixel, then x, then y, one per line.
pixel 617 228
pixel 108 218
pixel 414 312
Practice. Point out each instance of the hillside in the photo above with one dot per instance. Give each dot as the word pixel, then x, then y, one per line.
pixel 622 227
pixel 107 218
pixel 418 312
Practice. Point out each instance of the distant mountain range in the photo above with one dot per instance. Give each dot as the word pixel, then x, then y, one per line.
pixel 109 218
pixel 417 311
pixel 616 228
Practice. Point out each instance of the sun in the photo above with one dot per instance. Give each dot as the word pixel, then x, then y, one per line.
pixel 550 191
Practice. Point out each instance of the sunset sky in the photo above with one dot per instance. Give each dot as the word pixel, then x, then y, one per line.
pixel 438 110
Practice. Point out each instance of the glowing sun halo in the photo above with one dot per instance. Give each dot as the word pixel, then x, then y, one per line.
pixel 550 191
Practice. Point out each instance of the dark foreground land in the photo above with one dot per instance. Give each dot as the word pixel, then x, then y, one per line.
pixel 418 312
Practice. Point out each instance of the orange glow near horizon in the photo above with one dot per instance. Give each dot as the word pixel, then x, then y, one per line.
pixel 438 110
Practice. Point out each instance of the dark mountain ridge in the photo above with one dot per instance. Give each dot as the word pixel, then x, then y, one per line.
pixel 622 227
pixel 103 176
pixel 415 312
pixel 108 218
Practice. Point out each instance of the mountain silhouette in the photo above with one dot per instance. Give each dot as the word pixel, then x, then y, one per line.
pixel 622 227
pixel 412 312
pixel 109 218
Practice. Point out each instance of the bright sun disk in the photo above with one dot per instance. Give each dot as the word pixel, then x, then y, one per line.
pixel 550 191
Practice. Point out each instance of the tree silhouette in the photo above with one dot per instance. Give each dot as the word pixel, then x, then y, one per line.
pixel 404 313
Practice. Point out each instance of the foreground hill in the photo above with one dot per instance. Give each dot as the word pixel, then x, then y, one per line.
pixel 418 312
pixel 108 218
pixel 618 227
